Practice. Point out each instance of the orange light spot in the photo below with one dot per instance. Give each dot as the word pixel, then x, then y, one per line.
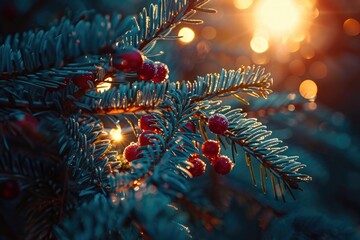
pixel 308 89
pixel 351 27
pixel 291 107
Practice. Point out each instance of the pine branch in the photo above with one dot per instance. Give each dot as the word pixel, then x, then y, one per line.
pixel 158 21
pixel 39 172
pixel 142 95
pixel 250 80
pixel 252 136
pixel 164 162
pixel 96 219
pixel 32 51
pixel 86 154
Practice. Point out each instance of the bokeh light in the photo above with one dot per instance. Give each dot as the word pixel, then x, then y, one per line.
pixel 187 35
pixel 292 46
pixel 318 70
pixel 259 44
pixel 351 27
pixel 208 32
pixel 307 52
pixel 308 89
pixel 116 134
pixel 243 4
pixel 278 16
pixel 297 67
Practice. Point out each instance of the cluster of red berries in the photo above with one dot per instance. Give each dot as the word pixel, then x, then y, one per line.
pixel 218 124
pixel 147 125
pixel 211 150
pixel 132 60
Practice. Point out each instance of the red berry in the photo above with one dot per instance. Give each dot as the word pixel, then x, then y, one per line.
pixel 223 165
pixel 147 71
pixel 146 122
pixel 24 122
pixel 218 123
pixel 9 189
pixel 145 139
pixel 131 152
pixel 161 72
pixel 210 149
pixel 198 166
pixel 82 80
pixel 128 59
pixel 189 126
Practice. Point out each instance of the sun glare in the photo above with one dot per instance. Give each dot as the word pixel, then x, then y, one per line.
pixel 279 16
pixel 116 134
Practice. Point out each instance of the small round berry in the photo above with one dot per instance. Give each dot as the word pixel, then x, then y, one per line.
pixel 161 72
pixel 82 80
pixel 198 166
pixel 9 189
pixel 210 149
pixel 145 139
pixel 218 123
pixel 131 152
pixel 128 59
pixel 147 70
pixel 223 165
pixel 24 122
pixel 189 126
pixel 146 121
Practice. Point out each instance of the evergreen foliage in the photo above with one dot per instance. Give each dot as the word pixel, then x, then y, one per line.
pixel 74 181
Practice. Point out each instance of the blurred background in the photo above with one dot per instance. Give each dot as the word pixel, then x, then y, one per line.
pixel 312 50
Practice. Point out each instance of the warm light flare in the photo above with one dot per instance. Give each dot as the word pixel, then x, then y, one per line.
pixel 104 86
pixel 281 17
pixel 187 35
pixel 116 134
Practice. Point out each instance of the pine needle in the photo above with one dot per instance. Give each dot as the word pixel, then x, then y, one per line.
pixel 249 163
pixel 273 185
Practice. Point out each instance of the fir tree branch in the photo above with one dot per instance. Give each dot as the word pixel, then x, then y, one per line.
pixel 86 154
pixel 32 51
pixel 142 95
pixel 253 138
pixel 158 21
pixel 163 158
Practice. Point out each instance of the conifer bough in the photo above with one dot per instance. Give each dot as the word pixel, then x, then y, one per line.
pixel 71 180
